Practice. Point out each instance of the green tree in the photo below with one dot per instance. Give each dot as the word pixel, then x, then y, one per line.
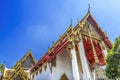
pixel 2 68
pixel 113 61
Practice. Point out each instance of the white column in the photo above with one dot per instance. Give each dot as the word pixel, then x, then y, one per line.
pixel 75 65
pixel 86 72
pixel 35 76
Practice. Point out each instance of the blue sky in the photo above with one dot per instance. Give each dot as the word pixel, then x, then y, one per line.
pixel 34 24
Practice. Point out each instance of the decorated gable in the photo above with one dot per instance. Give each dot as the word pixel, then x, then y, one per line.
pixel 88 26
pixel 28 63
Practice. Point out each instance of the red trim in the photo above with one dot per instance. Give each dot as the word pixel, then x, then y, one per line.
pixel 47 57
pixel 98 29
pixel 99 53
pixel 89 52
pixel 87 46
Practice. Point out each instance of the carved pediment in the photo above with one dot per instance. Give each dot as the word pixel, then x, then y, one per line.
pixel 27 63
pixel 89 27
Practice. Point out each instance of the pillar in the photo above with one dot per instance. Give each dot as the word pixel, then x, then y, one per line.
pixel 74 64
pixel 86 72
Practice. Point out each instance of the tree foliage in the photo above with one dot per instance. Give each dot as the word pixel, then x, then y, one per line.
pixel 113 61
pixel 2 68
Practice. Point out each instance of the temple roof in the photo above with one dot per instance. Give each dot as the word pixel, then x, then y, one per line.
pixel 25 57
pixel 21 68
pixel 99 30
pixel 8 72
pixel 66 38
pixel 88 17
pixel 28 54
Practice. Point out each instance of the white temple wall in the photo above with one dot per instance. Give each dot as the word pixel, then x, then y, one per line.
pixel 44 75
pixel 63 65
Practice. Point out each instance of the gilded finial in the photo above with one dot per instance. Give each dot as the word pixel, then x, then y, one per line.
pixel 88 7
pixel 71 23
pixel 78 21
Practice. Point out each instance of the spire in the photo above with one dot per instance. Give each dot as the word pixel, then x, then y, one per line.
pixel 78 20
pixel 87 15
pixel 71 23
pixel 88 7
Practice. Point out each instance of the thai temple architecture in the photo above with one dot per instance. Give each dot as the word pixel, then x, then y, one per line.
pixel 79 54
pixel 21 71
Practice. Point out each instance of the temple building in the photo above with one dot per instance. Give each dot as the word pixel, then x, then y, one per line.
pixel 79 54
pixel 21 71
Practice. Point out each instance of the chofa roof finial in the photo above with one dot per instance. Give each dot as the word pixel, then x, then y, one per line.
pixel 71 23
pixel 88 7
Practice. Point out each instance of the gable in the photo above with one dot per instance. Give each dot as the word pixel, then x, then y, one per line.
pixel 96 31
pixel 28 60
pixel 27 63
pixel 89 27
pixel 19 73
